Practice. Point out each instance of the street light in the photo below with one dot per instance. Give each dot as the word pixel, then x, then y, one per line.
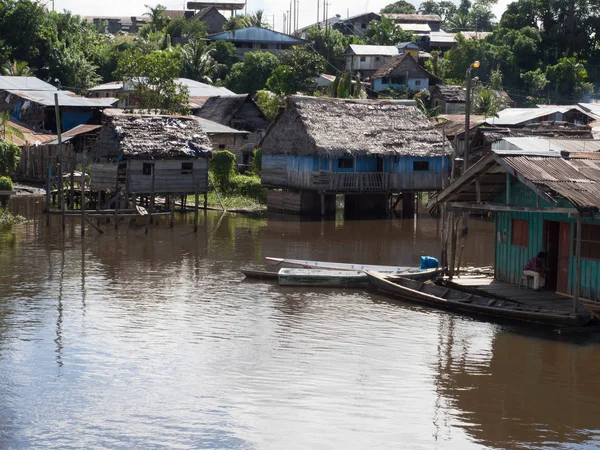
pixel 474 65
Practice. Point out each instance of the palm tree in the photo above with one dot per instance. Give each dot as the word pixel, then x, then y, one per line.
pixel 158 18
pixel 17 69
pixel 198 61
pixel 257 19
pixel 486 103
pixel 430 113
pixel 459 22
pixel 236 23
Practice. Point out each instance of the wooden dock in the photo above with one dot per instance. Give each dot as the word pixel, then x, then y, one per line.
pixel 486 285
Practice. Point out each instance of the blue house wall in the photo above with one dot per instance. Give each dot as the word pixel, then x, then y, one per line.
pixel 402 171
pixel 510 259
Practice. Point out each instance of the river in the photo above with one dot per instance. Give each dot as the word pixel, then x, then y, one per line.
pixel 128 340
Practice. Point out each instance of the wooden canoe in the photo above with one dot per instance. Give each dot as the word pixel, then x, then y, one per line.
pixel 455 300
pixel 259 274
pixel 323 278
pixel 302 264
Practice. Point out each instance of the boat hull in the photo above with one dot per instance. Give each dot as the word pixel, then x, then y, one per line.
pixel 474 305
pixel 323 278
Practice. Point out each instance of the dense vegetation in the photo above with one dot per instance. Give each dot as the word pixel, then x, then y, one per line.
pixel 545 50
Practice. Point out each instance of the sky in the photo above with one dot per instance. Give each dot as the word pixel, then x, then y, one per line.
pixel 273 8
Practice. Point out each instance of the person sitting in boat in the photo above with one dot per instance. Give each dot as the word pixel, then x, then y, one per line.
pixel 535 268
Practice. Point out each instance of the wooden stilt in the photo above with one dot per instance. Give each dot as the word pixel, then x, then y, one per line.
pixel 205 200
pixel 322 204
pixel 83 194
pixel 48 189
pixel 172 205
pixel 196 201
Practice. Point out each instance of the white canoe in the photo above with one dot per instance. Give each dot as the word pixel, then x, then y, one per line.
pixel 301 264
pixel 323 277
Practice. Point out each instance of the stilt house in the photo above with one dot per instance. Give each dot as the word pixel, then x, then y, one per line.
pixel 149 154
pixel 365 149
pixel 544 195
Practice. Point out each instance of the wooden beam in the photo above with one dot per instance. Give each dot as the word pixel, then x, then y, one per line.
pixel 456 206
pixel 478 190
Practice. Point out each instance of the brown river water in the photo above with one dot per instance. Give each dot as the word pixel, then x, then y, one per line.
pixel 126 340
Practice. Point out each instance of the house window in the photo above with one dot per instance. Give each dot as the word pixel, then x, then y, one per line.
pixel 187 168
pixel 363 25
pixel 147 168
pixel 221 146
pixel 245 137
pixel 417 82
pixel 264 46
pixel 377 58
pixel 590 241
pixel 363 58
pixel 385 80
pixel 420 166
pixel 520 232
pixel 346 163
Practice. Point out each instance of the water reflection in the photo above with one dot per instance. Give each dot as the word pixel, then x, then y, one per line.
pixel 134 340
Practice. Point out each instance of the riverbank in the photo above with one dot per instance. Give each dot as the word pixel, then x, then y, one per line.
pixel 8 219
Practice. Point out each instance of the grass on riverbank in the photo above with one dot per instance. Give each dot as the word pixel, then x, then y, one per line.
pixel 244 192
pixel 231 201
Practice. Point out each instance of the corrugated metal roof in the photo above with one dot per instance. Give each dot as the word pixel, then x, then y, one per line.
pixel 593 108
pixel 25 84
pixel 440 37
pixel 65 98
pixel 211 127
pixel 111 86
pixel 413 17
pixel 30 136
pixel 373 50
pixel 256 34
pixel 537 144
pixel 197 89
pixel 515 116
pixel 417 27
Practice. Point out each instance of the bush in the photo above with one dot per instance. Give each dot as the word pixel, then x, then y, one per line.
pixel 248 186
pixel 222 166
pixel 9 157
pixel 257 160
pixel 6 184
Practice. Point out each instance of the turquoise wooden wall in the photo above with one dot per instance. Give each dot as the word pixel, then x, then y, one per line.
pixel 510 259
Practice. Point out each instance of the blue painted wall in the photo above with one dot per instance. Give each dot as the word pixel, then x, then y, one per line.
pixel 510 259
pixel 70 119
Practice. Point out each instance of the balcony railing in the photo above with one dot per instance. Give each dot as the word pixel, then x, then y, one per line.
pixel 359 182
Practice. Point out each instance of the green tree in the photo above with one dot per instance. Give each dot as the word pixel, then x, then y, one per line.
pixel 270 103
pixel 17 69
pixel 535 81
pixel 568 79
pixel 297 71
pixel 225 55
pixel 236 22
pixel 153 76
pixel 496 80
pixel 9 157
pixel 186 29
pixel 385 32
pixel 486 103
pixel 198 61
pixel 158 18
pixel 444 9
pixel 257 19
pixel 331 44
pixel 252 74
pixel 399 7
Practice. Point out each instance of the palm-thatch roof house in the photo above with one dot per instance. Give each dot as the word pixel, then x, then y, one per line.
pixel 241 113
pixel 365 149
pixel 150 154
pixel 403 73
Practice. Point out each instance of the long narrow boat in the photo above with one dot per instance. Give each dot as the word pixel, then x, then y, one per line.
pixel 455 300
pixel 302 264
pixel 323 278
pixel 260 274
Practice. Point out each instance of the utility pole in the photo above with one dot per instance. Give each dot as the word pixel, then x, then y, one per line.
pixel 318 24
pixel 61 200
pixel 474 65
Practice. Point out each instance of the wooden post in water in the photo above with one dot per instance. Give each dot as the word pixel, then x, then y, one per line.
pixel 83 193
pixel 172 205
pixel 322 204
pixel 578 264
pixel 205 200
pixel 72 190
pixel 48 188
pixel 60 161
pixel 196 201
pixel 152 198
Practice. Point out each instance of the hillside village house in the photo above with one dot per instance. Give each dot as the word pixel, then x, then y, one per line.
pixel 403 73
pixel 348 26
pixel 255 39
pixel 544 195
pixel 31 101
pixel 116 24
pixel 451 99
pixel 209 15
pixel 241 113
pixel 367 59
pixel 417 22
pixel 363 149
pixel 520 117
pixel 198 92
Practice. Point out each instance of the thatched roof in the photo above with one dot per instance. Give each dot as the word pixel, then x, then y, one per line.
pixel 152 137
pixel 224 110
pixel 451 93
pixel 403 64
pixel 335 127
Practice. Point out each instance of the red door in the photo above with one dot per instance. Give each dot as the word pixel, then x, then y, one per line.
pixel 564 256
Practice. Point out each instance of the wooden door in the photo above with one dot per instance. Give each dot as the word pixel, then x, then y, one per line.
pixel 564 257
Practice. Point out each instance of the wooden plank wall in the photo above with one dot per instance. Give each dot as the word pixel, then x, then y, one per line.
pixel 284 201
pixel 168 177
pixel 104 176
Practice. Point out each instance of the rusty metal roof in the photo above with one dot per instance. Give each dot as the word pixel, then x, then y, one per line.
pixel 29 135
